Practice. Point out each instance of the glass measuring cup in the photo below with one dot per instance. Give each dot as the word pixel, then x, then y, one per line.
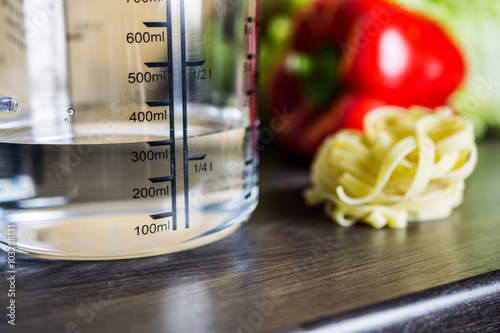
pixel 127 127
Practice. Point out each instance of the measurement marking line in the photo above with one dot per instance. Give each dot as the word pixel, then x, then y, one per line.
pixel 157 64
pixel 248 196
pixel 161 179
pixel 250 56
pixel 185 65
pixel 195 63
pixel 197 157
pixel 250 92
pixel 156 24
pixel 162 216
pixel 155 104
pixel 160 143
pixel 250 19
pixel 249 162
pixel 173 158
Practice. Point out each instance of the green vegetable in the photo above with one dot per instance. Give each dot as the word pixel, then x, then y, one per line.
pixel 276 27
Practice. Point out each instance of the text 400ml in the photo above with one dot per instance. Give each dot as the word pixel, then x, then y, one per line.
pixel 148 116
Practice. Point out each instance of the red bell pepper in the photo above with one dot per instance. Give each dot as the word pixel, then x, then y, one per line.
pixel 379 54
pixel 409 60
pixel 301 126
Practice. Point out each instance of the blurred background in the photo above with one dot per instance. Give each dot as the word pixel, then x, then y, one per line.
pixel 326 63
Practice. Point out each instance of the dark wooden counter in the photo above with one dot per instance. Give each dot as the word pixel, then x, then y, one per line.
pixel 288 269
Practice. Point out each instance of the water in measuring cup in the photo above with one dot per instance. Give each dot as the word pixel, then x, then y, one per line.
pixel 97 197
pixel 82 175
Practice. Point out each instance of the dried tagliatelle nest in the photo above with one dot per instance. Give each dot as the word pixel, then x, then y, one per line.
pixel 409 165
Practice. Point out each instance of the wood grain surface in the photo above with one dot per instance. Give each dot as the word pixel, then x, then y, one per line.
pixel 287 268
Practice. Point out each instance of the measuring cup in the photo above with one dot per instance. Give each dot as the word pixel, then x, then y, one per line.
pixel 127 127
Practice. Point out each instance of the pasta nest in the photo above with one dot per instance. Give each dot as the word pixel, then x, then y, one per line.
pixel 407 166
